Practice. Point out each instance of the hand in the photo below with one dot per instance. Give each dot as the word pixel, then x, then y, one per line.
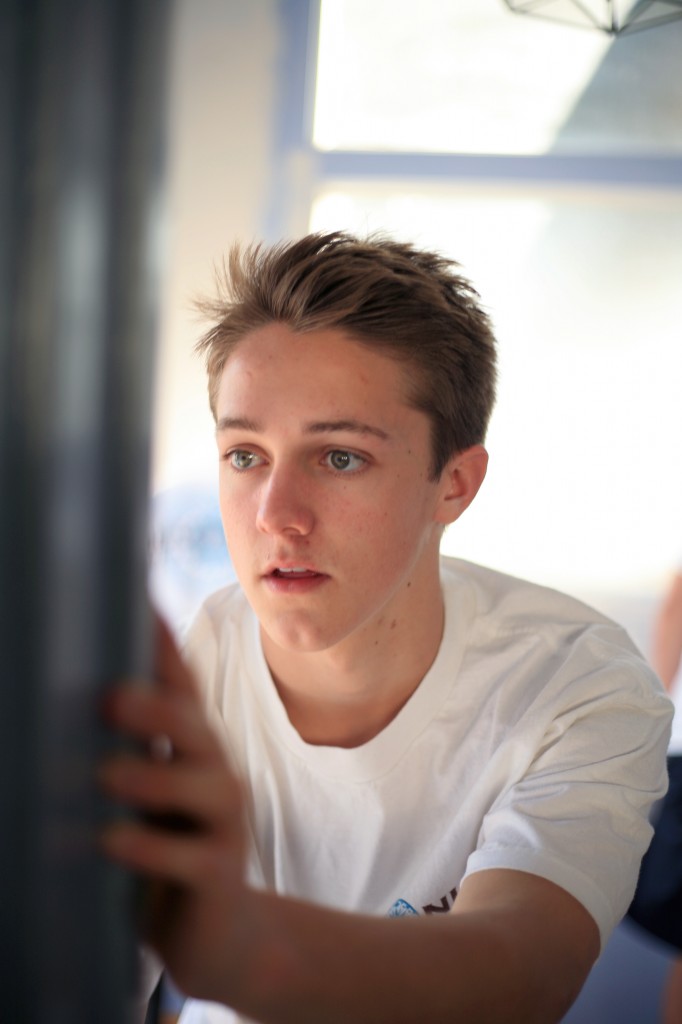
pixel 188 836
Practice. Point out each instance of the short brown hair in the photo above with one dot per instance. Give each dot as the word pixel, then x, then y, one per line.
pixel 391 296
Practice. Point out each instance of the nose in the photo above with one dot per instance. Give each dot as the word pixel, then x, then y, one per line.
pixel 285 504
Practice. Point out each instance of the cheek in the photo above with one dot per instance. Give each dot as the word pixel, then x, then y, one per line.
pixel 235 519
pixel 357 516
pixel 226 514
pixel 380 537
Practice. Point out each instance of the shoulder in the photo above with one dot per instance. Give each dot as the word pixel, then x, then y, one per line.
pixel 516 602
pixel 219 610
pixel 548 641
pixel 214 635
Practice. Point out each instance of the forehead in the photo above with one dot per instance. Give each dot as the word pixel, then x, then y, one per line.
pixel 315 364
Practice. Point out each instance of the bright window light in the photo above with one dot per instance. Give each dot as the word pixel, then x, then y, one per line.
pixel 467 76
pixel 584 489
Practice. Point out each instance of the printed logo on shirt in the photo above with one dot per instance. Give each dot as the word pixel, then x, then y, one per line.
pixel 401 908
pixel 443 906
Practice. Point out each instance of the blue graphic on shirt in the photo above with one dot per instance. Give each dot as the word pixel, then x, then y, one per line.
pixel 401 908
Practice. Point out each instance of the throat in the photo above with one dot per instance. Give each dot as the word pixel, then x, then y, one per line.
pixel 342 706
pixel 345 695
pixel 340 723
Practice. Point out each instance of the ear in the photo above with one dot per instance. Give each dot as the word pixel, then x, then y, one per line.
pixel 460 481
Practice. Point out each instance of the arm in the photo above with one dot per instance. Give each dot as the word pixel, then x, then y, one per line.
pixel 667 636
pixel 514 948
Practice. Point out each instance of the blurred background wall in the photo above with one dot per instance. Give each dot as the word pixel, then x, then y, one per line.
pixel 222 100
pixel 547 159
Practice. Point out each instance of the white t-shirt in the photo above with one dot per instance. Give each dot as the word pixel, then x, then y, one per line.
pixel 536 742
pixel 675 748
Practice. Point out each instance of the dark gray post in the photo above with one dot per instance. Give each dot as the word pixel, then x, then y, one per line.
pixel 81 124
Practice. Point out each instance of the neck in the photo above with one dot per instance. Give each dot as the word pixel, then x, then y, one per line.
pixel 346 695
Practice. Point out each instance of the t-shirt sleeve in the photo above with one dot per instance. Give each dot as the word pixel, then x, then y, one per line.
pixel 578 813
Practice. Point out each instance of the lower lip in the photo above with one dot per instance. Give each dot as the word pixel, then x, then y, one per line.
pixel 295 585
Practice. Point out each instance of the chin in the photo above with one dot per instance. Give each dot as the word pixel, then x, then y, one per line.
pixel 300 638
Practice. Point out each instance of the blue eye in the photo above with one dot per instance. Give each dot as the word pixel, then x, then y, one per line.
pixel 242 460
pixel 343 461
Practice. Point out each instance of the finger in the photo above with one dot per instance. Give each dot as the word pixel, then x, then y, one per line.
pixel 175 856
pixel 209 800
pixel 145 713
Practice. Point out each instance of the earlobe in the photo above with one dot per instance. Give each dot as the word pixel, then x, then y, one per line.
pixel 461 480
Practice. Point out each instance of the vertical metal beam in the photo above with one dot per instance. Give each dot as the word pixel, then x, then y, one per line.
pixel 294 162
pixel 81 125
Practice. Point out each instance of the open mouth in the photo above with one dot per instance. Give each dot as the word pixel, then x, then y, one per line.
pixel 294 574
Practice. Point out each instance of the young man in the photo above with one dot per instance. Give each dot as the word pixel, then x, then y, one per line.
pixel 383 733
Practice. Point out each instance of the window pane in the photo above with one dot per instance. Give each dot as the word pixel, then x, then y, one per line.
pixel 584 488
pixel 472 77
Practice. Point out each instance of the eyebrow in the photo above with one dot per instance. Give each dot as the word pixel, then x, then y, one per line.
pixel 236 423
pixel 345 426
pixel 314 427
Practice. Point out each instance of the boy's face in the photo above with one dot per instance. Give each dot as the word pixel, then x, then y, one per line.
pixel 332 522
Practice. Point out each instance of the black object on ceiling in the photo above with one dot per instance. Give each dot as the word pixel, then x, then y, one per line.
pixel 615 17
